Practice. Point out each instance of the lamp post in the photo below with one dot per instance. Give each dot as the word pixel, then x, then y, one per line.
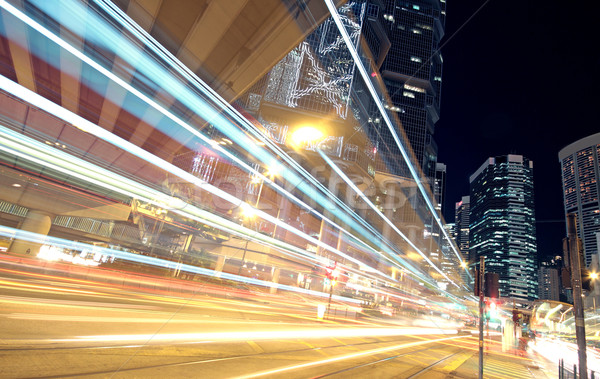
pixel 249 211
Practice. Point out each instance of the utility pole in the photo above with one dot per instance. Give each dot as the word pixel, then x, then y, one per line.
pixel 573 248
pixel 481 310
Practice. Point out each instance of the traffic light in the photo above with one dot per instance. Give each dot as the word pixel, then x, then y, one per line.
pixel 516 316
pixel 493 309
pixel 491 284
pixel 331 273
pixel 587 278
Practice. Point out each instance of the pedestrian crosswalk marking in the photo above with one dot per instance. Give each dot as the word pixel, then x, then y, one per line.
pixel 498 369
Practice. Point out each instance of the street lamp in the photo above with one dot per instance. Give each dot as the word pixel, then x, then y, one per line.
pixel 249 212
pixel 305 135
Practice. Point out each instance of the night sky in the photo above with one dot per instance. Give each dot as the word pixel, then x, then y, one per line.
pixel 520 77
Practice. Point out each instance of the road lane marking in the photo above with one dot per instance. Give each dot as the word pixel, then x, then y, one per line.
pixel 255 347
pixel 343 357
pixel 457 362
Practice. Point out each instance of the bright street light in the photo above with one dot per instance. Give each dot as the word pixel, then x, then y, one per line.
pixel 305 135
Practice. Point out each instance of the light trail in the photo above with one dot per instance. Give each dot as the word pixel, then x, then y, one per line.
pixel 40 153
pixel 226 128
pixel 73 245
pixel 151 69
pixel 376 98
pixel 44 155
pixel 343 357
pixel 43 288
pixel 284 334
pixel 214 117
pixel 383 217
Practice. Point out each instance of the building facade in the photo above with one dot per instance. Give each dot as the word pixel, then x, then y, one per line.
pixel 412 74
pixel 549 282
pixel 580 164
pixel 439 187
pixel 502 220
pixel 461 225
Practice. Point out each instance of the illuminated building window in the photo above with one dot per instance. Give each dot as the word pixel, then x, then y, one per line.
pixel 408 94
pixel 415 59
pixel 413 88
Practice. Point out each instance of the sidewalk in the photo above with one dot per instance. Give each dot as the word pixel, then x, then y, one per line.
pixel 511 364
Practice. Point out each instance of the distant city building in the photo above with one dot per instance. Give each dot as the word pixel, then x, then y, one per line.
pixel 549 282
pixel 503 224
pixel 439 186
pixel 461 229
pixel 449 261
pixel 580 165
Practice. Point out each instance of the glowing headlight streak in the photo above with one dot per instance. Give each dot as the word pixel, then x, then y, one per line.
pixel 213 116
pixel 284 334
pixel 6 231
pixel 151 69
pixel 37 152
pixel 39 287
pixel 383 217
pixel 345 357
pixel 26 149
pixel 60 159
pixel 363 71
pixel 150 102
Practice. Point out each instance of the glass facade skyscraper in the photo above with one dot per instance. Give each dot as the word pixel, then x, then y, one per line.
pixel 461 222
pixel 580 163
pixel 503 224
pixel 412 73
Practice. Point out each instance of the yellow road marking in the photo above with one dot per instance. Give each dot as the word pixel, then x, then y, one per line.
pixel 457 362
pixel 255 347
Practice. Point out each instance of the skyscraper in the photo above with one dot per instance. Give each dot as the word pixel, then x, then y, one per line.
pixel 461 222
pixel 412 73
pixel 580 163
pixel 503 224
pixel 548 282
pixel 439 187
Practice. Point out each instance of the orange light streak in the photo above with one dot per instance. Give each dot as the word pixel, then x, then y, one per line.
pixel 344 357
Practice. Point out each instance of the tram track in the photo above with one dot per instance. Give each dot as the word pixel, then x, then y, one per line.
pixel 305 353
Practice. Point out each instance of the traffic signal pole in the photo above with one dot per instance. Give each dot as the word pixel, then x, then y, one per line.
pixel 481 310
pixel 575 259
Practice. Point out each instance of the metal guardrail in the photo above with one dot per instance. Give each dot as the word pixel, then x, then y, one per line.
pixel 82 224
pixel 566 373
pixel 13 209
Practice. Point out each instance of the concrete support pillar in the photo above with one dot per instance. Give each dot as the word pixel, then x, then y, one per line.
pixel 275 280
pixel 220 264
pixel 35 222
pixel 412 234
pixel 325 230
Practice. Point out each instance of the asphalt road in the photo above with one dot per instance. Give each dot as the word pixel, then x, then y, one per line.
pixel 55 327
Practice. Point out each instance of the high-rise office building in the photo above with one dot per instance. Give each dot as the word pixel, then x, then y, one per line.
pixel 439 187
pixel 503 224
pixel 580 163
pixel 412 73
pixel 548 282
pixel 461 221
